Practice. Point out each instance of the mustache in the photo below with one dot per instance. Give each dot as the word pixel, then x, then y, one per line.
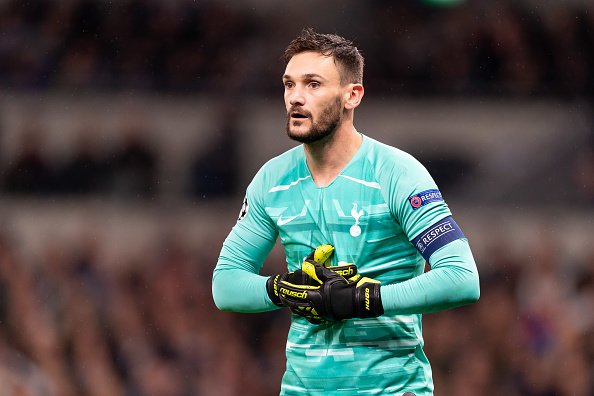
pixel 300 110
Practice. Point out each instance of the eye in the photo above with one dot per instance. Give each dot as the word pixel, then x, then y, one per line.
pixel 314 84
pixel 289 84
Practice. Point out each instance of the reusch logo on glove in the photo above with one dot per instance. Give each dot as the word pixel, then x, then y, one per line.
pixel 293 293
pixel 344 272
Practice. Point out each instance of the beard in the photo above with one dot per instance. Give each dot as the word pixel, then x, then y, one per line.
pixel 323 128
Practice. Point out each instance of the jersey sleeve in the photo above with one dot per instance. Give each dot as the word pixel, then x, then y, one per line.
pixel 453 281
pixel 236 284
pixel 414 199
pixel 418 206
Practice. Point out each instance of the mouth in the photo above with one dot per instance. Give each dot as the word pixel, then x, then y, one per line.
pixel 298 115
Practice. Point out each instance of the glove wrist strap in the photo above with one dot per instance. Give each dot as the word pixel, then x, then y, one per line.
pixel 272 289
pixel 370 301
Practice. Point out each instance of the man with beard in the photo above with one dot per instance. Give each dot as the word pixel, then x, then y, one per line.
pixel 378 207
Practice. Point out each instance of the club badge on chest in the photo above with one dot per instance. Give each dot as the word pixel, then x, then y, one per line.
pixel 355 228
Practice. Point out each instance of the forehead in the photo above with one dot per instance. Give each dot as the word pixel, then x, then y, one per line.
pixel 308 63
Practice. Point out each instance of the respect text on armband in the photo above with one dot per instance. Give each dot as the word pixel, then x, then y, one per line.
pixel 424 197
pixel 437 236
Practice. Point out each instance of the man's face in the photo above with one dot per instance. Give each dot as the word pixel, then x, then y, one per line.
pixel 313 97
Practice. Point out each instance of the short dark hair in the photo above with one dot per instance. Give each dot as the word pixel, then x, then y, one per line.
pixel 346 56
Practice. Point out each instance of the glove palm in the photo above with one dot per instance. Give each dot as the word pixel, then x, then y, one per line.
pixel 321 255
pixel 333 297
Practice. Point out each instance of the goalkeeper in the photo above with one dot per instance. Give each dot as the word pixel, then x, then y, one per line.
pixel 378 207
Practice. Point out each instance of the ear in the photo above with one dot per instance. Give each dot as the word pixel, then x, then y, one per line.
pixel 353 96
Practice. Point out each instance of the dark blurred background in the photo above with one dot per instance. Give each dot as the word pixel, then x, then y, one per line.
pixel 130 129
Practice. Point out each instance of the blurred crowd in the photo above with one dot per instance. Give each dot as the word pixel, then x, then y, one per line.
pixel 73 324
pixel 478 47
pixel 531 334
pixel 130 168
pixel 133 168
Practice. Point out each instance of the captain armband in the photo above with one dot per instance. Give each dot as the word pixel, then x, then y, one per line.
pixel 437 236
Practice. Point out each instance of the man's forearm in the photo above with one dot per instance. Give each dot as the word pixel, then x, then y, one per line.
pixel 453 281
pixel 240 291
pixel 236 283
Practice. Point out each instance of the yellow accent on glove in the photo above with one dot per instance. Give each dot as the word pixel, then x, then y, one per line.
pixel 322 254
pixel 310 270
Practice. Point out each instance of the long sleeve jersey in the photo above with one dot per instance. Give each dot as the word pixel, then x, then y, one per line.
pixel 384 213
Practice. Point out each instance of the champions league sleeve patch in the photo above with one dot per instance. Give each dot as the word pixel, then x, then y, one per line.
pixel 424 197
pixel 437 236
pixel 244 209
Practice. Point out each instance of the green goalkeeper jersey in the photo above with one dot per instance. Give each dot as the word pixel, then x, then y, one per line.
pixel 385 214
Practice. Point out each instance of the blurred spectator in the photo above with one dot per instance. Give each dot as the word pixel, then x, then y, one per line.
pixel 448 169
pixel 84 172
pixel 215 172
pixel 30 172
pixel 583 174
pixel 133 166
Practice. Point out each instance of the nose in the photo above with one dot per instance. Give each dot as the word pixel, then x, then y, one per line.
pixel 296 97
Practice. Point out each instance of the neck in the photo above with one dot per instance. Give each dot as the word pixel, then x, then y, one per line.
pixel 327 158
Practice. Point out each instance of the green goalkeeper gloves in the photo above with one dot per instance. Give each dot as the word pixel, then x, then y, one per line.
pixel 320 255
pixel 333 297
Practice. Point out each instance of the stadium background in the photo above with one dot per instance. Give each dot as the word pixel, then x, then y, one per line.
pixel 129 130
